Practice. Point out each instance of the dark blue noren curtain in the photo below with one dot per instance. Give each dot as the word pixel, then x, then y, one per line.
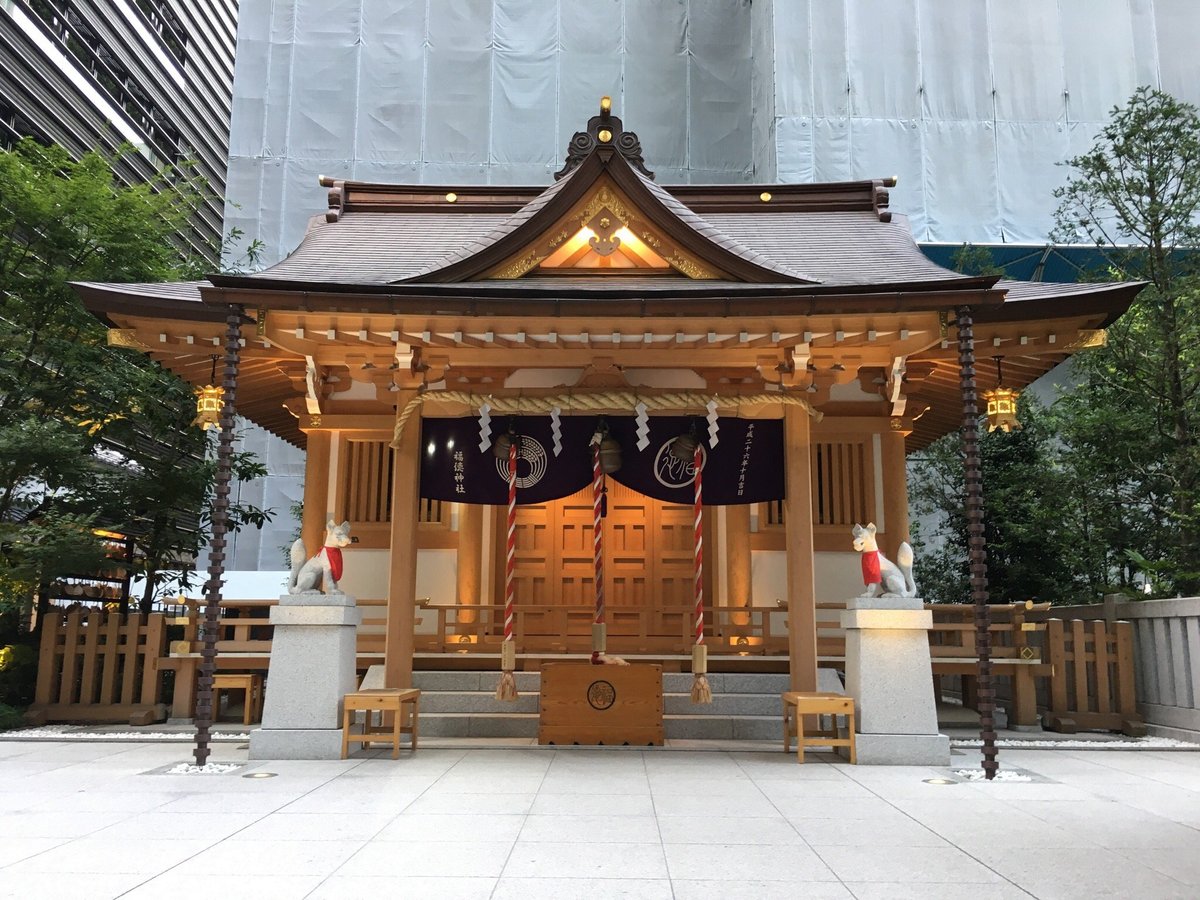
pixel 746 466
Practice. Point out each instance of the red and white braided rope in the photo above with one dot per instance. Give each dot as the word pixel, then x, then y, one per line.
pixel 699 522
pixel 510 564
pixel 597 535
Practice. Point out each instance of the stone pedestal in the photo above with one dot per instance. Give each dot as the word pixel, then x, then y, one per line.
pixel 888 672
pixel 312 668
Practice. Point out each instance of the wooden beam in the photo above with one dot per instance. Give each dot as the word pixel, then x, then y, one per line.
pixel 798 543
pixel 316 492
pixel 402 571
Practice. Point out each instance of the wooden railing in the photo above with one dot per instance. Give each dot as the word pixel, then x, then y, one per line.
pixel 102 668
pixel 99 667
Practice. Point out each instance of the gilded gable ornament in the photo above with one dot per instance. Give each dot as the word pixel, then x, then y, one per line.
pixel 604 129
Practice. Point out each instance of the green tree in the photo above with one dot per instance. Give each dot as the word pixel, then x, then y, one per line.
pixel 1031 555
pixel 90 434
pixel 1131 424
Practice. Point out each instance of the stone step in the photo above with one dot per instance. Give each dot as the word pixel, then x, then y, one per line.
pixel 483 701
pixel 723 705
pixel 745 706
pixel 728 728
pixel 473 681
pixel 482 725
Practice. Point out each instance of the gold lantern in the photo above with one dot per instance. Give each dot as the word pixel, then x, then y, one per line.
pixel 210 400
pixel 1001 405
pixel 209 403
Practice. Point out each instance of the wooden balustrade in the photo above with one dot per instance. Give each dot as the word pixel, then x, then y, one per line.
pixel 99 667
pixel 105 664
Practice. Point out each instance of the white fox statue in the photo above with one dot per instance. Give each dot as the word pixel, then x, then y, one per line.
pixel 895 578
pixel 323 571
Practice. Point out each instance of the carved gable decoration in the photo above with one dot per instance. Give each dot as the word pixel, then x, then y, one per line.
pixel 606 234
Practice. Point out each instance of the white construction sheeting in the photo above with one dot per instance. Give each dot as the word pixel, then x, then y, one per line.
pixel 971 102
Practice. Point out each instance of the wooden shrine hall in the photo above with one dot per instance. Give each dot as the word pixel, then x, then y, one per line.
pixel 421 337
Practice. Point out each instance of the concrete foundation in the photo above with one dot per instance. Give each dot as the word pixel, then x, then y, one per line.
pixel 887 674
pixel 312 668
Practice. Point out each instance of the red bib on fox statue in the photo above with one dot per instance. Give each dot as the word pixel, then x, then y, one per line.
pixel 334 555
pixel 870 568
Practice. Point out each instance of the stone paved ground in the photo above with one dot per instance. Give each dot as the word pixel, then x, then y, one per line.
pixel 99 820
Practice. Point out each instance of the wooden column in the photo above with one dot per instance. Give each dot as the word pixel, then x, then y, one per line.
pixel 316 491
pixel 798 531
pixel 402 571
pixel 470 560
pixel 737 558
pixel 895 491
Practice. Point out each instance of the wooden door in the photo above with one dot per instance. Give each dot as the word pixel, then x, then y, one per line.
pixel 648 553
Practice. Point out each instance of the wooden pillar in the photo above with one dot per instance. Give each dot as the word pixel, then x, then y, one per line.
pixel 895 490
pixel 470 560
pixel 737 559
pixel 798 531
pixel 402 571
pixel 316 491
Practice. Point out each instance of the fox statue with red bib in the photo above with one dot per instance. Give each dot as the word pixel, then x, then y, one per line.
pixel 881 576
pixel 324 570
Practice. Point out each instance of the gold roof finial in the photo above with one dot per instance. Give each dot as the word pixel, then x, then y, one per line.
pixel 606 104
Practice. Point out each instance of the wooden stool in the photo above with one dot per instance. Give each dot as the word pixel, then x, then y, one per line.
pixel 380 700
pixel 798 704
pixel 251 684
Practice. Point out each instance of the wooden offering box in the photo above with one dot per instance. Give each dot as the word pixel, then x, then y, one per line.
pixel 586 704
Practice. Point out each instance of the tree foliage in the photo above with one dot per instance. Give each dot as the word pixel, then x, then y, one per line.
pixel 90 434
pixel 1109 477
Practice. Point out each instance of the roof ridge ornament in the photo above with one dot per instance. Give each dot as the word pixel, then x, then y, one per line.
pixel 604 130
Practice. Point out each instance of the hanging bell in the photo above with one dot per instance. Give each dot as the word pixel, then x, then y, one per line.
pixel 684 447
pixel 610 455
pixel 503 442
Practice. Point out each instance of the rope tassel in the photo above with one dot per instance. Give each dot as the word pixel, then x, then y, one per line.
pixel 599 632
pixel 507 688
pixel 701 691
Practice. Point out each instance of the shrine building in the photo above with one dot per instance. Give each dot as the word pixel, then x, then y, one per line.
pixel 794 334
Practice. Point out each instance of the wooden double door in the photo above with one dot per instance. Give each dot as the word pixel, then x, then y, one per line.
pixel 648 552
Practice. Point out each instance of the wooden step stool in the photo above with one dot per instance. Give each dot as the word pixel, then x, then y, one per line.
pixel 798 704
pixel 380 700
pixel 253 686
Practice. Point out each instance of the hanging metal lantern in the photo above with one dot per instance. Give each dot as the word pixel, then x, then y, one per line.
pixel 1001 405
pixel 210 400
pixel 209 403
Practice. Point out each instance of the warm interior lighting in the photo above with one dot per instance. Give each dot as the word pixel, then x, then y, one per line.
pixel 209 401
pixel 1001 404
pixel 1002 409
pixel 631 253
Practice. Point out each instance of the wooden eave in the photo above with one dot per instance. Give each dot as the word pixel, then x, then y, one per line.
pixel 606 300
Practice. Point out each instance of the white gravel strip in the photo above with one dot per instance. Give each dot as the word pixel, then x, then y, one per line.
pixel 980 775
pixel 1147 743
pixel 206 769
pixel 68 733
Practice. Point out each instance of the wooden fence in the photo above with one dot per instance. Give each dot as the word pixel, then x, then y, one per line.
pixel 1092 684
pixel 95 667
pixel 1166 656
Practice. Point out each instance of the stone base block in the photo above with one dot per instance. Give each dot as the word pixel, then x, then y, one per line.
pixel 296 743
pixel 902 749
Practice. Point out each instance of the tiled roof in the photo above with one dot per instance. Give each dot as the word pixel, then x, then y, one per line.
pixel 379 248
